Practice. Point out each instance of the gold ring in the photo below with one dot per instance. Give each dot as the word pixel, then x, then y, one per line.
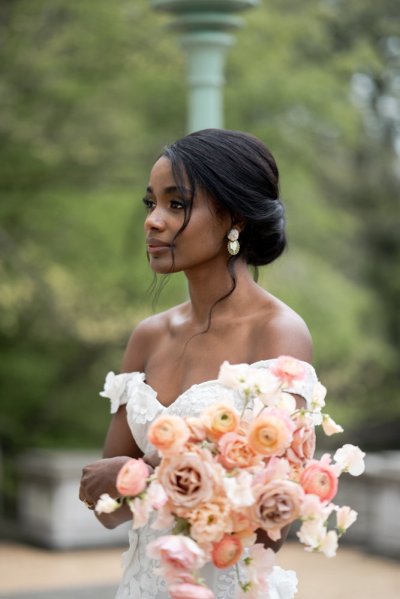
pixel 88 504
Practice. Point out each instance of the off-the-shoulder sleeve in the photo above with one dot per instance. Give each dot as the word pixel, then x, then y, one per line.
pixel 117 387
pixel 302 386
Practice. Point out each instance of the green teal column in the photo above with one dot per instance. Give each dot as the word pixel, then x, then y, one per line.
pixel 203 27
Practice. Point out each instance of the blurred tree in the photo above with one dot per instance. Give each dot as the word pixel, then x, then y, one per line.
pixel 90 93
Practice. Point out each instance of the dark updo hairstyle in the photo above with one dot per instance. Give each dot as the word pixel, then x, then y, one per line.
pixel 240 174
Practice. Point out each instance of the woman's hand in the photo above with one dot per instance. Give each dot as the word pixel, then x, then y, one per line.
pixel 100 477
pixel 152 459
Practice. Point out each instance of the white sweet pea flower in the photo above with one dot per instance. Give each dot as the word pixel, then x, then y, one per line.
pixel 106 504
pixel 350 459
pixel 345 517
pixel 234 376
pixel 311 532
pixel 318 396
pixel 238 489
pixel 329 544
pixel 330 426
pixel 141 510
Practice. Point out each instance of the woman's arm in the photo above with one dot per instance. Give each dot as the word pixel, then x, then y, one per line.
pixel 100 477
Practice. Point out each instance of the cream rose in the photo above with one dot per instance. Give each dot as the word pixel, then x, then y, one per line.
pixel 277 504
pixel 187 479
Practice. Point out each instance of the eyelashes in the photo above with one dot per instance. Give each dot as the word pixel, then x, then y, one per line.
pixel 173 204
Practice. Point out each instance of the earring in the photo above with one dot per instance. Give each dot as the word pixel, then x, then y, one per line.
pixel 233 243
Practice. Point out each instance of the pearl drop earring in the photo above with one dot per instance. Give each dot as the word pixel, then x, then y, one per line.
pixel 233 243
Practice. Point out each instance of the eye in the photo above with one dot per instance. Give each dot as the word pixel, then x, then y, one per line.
pixel 148 204
pixel 177 204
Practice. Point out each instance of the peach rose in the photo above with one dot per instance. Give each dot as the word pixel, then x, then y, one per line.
pixel 235 452
pixel 277 504
pixel 132 478
pixel 209 521
pixel 176 552
pixel 319 478
pixel 270 434
pixel 302 446
pixel 288 369
pixel 168 434
pixel 220 418
pixel 188 590
pixel 227 551
pixel 187 479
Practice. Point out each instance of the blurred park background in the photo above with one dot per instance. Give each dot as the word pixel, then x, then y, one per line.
pixel 90 93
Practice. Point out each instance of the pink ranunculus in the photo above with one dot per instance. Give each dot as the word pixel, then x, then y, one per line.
pixel 302 446
pixel 187 479
pixel 319 478
pixel 187 590
pixel 235 452
pixel 277 504
pixel 270 434
pixel 288 369
pixel 132 478
pixel 168 433
pixel 177 552
pixel 227 551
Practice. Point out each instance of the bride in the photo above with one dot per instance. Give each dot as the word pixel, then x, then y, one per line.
pixel 212 209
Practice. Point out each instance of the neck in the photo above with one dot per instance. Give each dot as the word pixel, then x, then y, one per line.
pixel 207 286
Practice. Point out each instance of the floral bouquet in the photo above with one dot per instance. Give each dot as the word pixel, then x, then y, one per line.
pixel 226 474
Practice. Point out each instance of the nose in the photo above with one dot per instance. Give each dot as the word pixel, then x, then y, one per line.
pixel 154 220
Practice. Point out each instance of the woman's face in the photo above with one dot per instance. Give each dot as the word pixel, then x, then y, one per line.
pixel 200 243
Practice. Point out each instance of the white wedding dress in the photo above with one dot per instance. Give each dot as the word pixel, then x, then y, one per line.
pixel 139 580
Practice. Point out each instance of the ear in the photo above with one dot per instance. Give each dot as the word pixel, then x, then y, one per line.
pixel 238 224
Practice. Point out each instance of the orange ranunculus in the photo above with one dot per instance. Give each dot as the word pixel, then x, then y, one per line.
pixel 270 434
pixel 227 551
pixel 168 433
pixel 235 452
pixel 220 418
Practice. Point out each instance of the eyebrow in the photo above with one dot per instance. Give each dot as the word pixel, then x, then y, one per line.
pixel 170 189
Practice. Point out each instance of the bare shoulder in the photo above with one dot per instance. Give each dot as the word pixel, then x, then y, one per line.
pixel 144 338
pixel 284 332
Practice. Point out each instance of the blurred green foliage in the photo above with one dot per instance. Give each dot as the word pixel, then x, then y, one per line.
pixel 90 93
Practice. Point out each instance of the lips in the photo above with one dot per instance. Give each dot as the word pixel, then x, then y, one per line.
pixel 156 245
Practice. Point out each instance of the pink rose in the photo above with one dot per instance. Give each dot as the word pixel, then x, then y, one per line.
pixel 288 369
pixel 302 446
pixel 176 552
pixel 187 479
pixel 227 551
pixel 319 478
pixel 186 590
pixel 168 434
pixel 235 452
pixel 277 504
pixel 132 478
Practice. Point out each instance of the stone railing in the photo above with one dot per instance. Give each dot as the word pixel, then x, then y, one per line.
pixel 51 514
